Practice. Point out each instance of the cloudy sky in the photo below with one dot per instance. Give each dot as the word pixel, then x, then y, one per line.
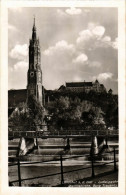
pixel 77 44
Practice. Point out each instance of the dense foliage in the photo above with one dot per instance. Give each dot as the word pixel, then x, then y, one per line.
pixel 92 110
pixel 73 110
pixel 27 116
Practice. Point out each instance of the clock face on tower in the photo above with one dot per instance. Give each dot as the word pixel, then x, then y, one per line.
pixel 32 74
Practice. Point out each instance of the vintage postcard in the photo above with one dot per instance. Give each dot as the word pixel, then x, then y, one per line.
pixel 62 97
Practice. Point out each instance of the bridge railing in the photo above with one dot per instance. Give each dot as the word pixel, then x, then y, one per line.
pixel 61 158
pixel 50 127
pixel 62 133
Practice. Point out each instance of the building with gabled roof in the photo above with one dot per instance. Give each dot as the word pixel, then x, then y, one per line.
pixel 85 86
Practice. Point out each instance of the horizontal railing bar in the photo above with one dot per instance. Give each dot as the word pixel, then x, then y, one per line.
pixel 58 134
pixel 24 163
pixel 109 152
pixel 73 157
pixel 40 124
pixel 66 129
pixel 10 165
pixel 27 163
pixel 99 154
pixel 58 131
pixel 103 164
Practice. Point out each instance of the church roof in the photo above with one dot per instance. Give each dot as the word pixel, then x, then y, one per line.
pixel 16 96
pixel 96 81
pixel 78 84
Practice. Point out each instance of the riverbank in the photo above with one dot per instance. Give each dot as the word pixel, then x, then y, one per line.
pixel 51 150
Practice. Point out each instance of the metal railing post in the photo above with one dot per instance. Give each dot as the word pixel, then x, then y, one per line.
pixel 92 165
pixel 106 139
pixel 19 172
pixel 114 160
pixel 61 161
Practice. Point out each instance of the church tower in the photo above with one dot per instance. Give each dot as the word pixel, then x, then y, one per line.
pixel 34 75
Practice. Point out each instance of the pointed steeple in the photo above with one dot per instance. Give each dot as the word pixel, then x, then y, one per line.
pixel 34 30
pixel 96 81
pixel 34 24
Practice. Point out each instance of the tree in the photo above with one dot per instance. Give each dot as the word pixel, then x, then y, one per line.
pixel 65 111
pixel 27 116
pixel 111 116
pixel 93 110
pixel 35 110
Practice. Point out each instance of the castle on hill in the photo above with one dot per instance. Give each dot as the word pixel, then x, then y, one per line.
pixel 84 87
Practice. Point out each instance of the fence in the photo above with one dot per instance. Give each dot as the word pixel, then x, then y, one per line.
pixel 61 159
pixel 63 133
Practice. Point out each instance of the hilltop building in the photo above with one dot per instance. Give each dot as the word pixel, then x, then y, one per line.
pixel 84 87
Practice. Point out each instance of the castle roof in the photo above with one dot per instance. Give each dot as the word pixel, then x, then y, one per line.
pixel 78 84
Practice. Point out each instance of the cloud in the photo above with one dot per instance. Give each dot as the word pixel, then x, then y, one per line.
pixel 93 33
pixel 60 47
pixel 115 43
pixel 61 13
pixel 19 52
pixel 18 75
pixel 106 39
pixel 104 76
pixel 93 38
pixel 81 59
pixel 95 64
pixel 98 31
pixel 106 42
pixel 91 25
pixel 73 11
pixel 77 78
pixel 20 65
pixel 58 58
pixel 84 35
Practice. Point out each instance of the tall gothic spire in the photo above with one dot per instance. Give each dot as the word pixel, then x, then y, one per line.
pixel 34 23
pixel 34 86
pixel 34 30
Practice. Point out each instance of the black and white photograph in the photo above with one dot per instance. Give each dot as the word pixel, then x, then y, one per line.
pixel 63 97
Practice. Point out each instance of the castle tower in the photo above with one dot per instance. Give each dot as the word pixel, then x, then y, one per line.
pixel 34 75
